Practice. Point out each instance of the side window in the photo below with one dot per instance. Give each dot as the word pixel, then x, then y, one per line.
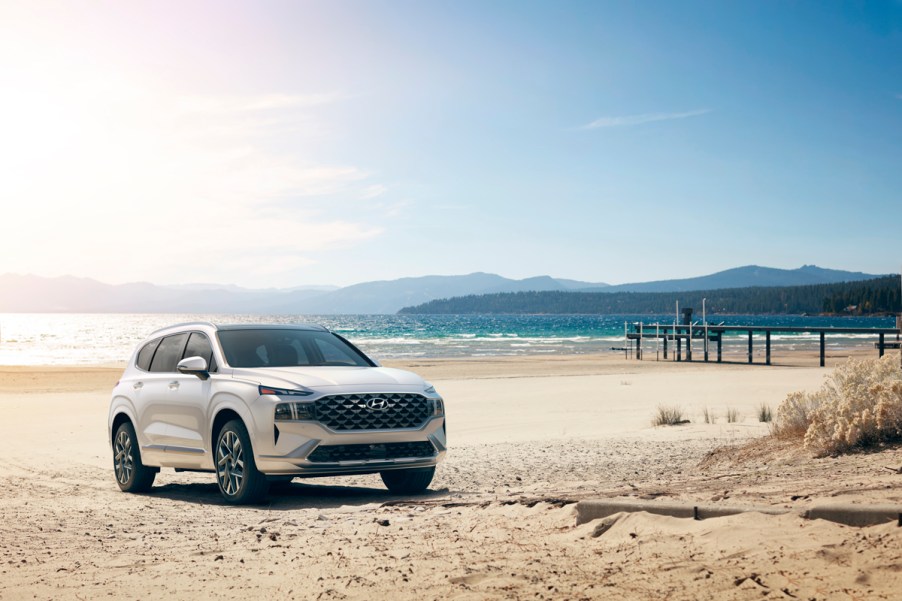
pixel 332 354
pixel 146 354
pixel 199 346
pixel 168 353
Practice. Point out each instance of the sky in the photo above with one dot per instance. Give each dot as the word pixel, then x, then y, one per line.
pixel 282 144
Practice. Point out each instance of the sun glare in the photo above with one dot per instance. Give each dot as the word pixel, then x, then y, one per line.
pixel 93 144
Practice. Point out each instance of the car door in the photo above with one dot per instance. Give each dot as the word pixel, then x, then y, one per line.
pixel 147 426
pixel 158 396
pixel 188 409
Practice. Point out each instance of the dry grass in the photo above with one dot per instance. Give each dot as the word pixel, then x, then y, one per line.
pixel 708 416
pixel 668 416
pixel 860 404
pixel 733 416
pixel 794 415
pixel 764 413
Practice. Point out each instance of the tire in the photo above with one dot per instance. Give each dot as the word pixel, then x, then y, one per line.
pixel 408 482
pixel 131 474
pixel 237 476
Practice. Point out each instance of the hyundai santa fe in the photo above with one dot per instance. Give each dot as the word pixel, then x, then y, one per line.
pixel 257 404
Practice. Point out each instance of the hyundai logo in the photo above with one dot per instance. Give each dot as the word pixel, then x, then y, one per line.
pixel 377 404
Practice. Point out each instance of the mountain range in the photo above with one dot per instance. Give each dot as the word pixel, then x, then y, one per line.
pixel 35 294
pixel 744 277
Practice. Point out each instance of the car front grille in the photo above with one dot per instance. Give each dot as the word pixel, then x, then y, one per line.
pixel 373 411
pixel 363 452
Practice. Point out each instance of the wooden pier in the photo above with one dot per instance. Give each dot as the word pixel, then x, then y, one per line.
pixel 680 334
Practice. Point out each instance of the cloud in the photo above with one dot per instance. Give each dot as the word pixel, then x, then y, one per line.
pixel 627 120
pixel 262 102
pixel 166 187
pixel 373 191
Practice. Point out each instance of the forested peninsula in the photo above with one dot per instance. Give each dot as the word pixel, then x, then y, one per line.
pixel 878 296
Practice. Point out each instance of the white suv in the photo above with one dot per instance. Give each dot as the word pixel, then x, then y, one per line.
pixel 262 403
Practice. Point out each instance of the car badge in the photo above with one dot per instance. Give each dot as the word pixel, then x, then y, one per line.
pixel 377 404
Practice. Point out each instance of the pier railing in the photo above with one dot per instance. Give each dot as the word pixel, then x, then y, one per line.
pixel 680 334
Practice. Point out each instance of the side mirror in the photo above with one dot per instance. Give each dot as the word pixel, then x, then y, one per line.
pixel 195 366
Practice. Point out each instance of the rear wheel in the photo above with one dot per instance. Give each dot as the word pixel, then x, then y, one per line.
pixel 236 473
pixel 131 474
pixel 409 481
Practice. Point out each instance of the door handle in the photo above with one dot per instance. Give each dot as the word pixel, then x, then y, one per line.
pixel 174 385
pixel 138 385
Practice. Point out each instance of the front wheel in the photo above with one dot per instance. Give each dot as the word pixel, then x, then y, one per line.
pixel 236 473
pixel 131 474
pixel 409 481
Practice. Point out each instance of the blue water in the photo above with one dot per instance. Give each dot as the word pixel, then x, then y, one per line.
pixel 65 339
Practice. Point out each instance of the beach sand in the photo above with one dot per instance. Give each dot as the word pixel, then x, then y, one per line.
pixel 528 437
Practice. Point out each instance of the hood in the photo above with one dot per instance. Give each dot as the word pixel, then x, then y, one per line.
pixel 326 376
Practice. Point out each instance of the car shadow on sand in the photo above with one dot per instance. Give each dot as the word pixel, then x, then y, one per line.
pixel 294 495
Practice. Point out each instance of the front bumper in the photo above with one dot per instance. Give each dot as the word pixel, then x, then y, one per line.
pixel 360 452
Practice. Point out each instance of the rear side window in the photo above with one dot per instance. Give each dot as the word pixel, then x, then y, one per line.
pixel 168 353
pixel 199 346
pixel 146 354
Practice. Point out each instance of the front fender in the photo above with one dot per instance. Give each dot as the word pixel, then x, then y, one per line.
pixel 225 401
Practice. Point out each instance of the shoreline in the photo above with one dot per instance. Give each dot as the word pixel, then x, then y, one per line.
pixel 84 378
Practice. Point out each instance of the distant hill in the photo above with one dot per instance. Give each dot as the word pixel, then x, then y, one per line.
pixel 390 295
pixel 34 294
pixel 28 293
pixel 743 277
pixel 66 294
pixel 867 297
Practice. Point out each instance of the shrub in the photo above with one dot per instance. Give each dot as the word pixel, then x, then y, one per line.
pixel 732 416
pixel 709 418
pixel 764 413
pixel 860 404
pixel 668 416
pixel 794 414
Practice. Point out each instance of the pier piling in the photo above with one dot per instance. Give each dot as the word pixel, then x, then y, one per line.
pixel 674 335
pixel 823 349
pixel 751 356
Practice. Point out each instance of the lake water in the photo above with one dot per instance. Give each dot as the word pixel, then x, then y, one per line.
pixel 72 339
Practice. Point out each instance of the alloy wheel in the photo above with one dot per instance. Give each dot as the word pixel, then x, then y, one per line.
pixel 124 460
pixel 230 463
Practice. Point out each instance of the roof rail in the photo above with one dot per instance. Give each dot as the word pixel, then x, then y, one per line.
pixel 183 324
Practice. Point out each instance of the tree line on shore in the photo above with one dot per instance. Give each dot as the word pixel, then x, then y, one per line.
pixel 879 296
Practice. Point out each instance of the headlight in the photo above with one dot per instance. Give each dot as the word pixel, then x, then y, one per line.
pixel 284 391
pixel 438 407
pixel 294 411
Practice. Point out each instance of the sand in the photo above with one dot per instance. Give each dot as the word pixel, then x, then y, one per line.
pixel 528 438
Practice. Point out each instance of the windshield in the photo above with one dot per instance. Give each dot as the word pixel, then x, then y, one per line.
pixel 288 348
